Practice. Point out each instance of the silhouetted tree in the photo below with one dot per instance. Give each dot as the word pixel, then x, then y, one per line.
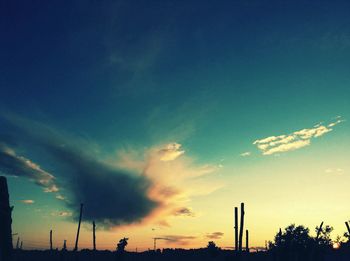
pixel 122 244
pixel 293 243
pixel 212 248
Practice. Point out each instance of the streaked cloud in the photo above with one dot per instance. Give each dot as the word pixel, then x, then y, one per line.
pixel 16 165
pixel 178 239
pixel 62 214
pixel 27 201
pixel 338 171
pixel 296 140
pixel 215 235
pixel 245 154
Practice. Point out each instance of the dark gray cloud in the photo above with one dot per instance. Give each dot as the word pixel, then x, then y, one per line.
pixel 110 196
pixel 215 235
pixel 184 211
pixel 178 239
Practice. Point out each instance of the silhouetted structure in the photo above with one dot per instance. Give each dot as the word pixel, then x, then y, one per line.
pixel 247 241
pixel 94 235
pixel 6 246
pixel 236 228
pixel 347 226
pixel 51 240
pixel 241 228
pixel 319 231
pixel 122 244
pixel 64 248
pixel 17 243
pixel 77 238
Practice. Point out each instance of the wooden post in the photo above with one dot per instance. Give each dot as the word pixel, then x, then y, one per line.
pixel 17 244
pixel 236 229
pixel 6 247
pixel 241 228
pixel 64 245
pixel 94 234
pixel 319 231
pixel 347 226
pixel 77 238
pixel 50 240
pixel 247 241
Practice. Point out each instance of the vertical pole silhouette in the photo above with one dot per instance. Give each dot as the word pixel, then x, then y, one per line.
pixel 94 235
pixel 319 231
pixel 236 229
pixel 247 241
pixel 6 246
pixel 77 238
pixel 64 245
pixel 241 228
pixel 50 240
pixel 21 246
pixel 347 226
pixel 17 244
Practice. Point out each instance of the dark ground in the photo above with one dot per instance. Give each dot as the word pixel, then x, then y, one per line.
pixel 179 254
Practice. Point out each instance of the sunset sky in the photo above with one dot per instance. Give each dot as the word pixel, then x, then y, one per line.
pixel 162 116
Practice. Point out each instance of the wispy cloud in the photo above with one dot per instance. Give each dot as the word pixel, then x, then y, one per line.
pixel 27 201
pixel 245 154
pixel 338 171
pixel 215 235
pixel 178 239
pixel 62 214
pixel 171 152
pixel 296 140
pixel 13 164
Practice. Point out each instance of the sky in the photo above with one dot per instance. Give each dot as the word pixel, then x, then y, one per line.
pixel 162 116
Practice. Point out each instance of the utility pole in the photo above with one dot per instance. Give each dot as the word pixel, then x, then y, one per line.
pixel 50 240
pixel 17 244
pixel 64 245
pixel 94 235
pixel 347 226
pixel 236 229
pixel 246 241
pixel 319 231
pixel 77 238
pixel 241 228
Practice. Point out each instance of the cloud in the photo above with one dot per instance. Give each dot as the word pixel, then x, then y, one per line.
pixel 111 196
pixel 27 201
pixel 296 140
pixel 245 154
pixel 62 214
pixel 215 235
pixel 338 171
pixel 13 164
pixel 184 211
pixel 60 197
pixel 175 181
pixel 128 190
pixel 178 239
pixel 171 152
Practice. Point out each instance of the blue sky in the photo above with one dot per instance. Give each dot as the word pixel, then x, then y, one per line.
pixel 121 79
